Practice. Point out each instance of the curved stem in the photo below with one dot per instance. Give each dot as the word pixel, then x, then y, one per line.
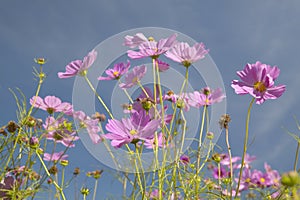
pixel 98 96
pixel 49 175
pixel 230 160
pixel 245 146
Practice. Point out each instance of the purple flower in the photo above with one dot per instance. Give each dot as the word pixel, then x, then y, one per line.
pixel 226 160
pixel 246 179
pixel 186 55
pixel 223 173
pixel 152 48
pixel 134 41
pixel 60 131
pixel 162 66
pixel 248 159
pixel 116 73
pixel 273 176
pixel 258 81
pixel 79 67
pixel 128 130
pixel 184 159
pixel 154 194
pixel 259 179
pixel 181 101
pixel 151 143
pixel 134 76
pixel 206 97
pixel 51 104
pixel 55 156
pixel 90 124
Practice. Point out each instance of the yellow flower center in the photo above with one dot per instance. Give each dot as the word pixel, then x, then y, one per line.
pixel 259 86
pixel 262 180
pixel 186 63
pixel 116 73
pixel 151 39
pixel 133 132
pixel 134 80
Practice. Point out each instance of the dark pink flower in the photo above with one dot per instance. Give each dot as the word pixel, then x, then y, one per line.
pixel 134 41
pixel 152 48
pixel 51 104
pixel 162 66
pixel 219 174
pixel 186 55
pixel 79 67
pixel 116 73
pixel 138 126
pixel 258 80
pixel 55 156
pixel 90 124
pixel 60 131
pixel 184 159
pixel 134 76
pixel 205 97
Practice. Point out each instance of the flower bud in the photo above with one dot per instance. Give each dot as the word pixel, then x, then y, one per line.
pixel 84 191
pixel 12 126
pixel 290 179
pixel 210 135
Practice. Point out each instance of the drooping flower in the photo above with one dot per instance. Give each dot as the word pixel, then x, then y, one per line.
pixel 258 80
pixel 60 131
pixel 186 55
pixel 51 104
pixel 151 143
pixel 116 73
pixel 184 159
pixel 79 67
pixel 162 66
pixel 90 124
pixel 55 156
pixel 152 48
pixel 134 76
pixel 134 41
pixel 205 97
pixel 138 126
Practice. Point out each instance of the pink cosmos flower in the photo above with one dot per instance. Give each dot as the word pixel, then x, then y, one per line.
pixel 186 55
pixel 248 159
pixel 90 124
pixel 60 131
pixel 134 76
pixel 55 156
pixel 206 97
pixel 134 41
pixel 79 67
pixel 116 73
pixel 152 48
pixel 181 101
pixel 274 176
pixel 150 143
pixel 51 104
pixel 128 130
pixel 162 66
pixel 258 80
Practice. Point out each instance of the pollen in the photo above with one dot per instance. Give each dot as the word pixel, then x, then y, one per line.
pixel 259 86
pixel 133 132
pixel 116 73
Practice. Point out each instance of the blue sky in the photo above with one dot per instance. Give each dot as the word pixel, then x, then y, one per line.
pixel 236 32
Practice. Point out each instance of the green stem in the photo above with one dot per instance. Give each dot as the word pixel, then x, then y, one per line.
pixel 49 175
pixel 95 189
pixel 296 156
pixel 230 160
pixel 200 136
pixel 98 96
pixel 245 146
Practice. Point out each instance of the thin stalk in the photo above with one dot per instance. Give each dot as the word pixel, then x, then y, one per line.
pixel 230 160
pixel 296 156
pixel 95 189
pixel 49 175
pixel 245 146
pixel 98 96
pixel 200 136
